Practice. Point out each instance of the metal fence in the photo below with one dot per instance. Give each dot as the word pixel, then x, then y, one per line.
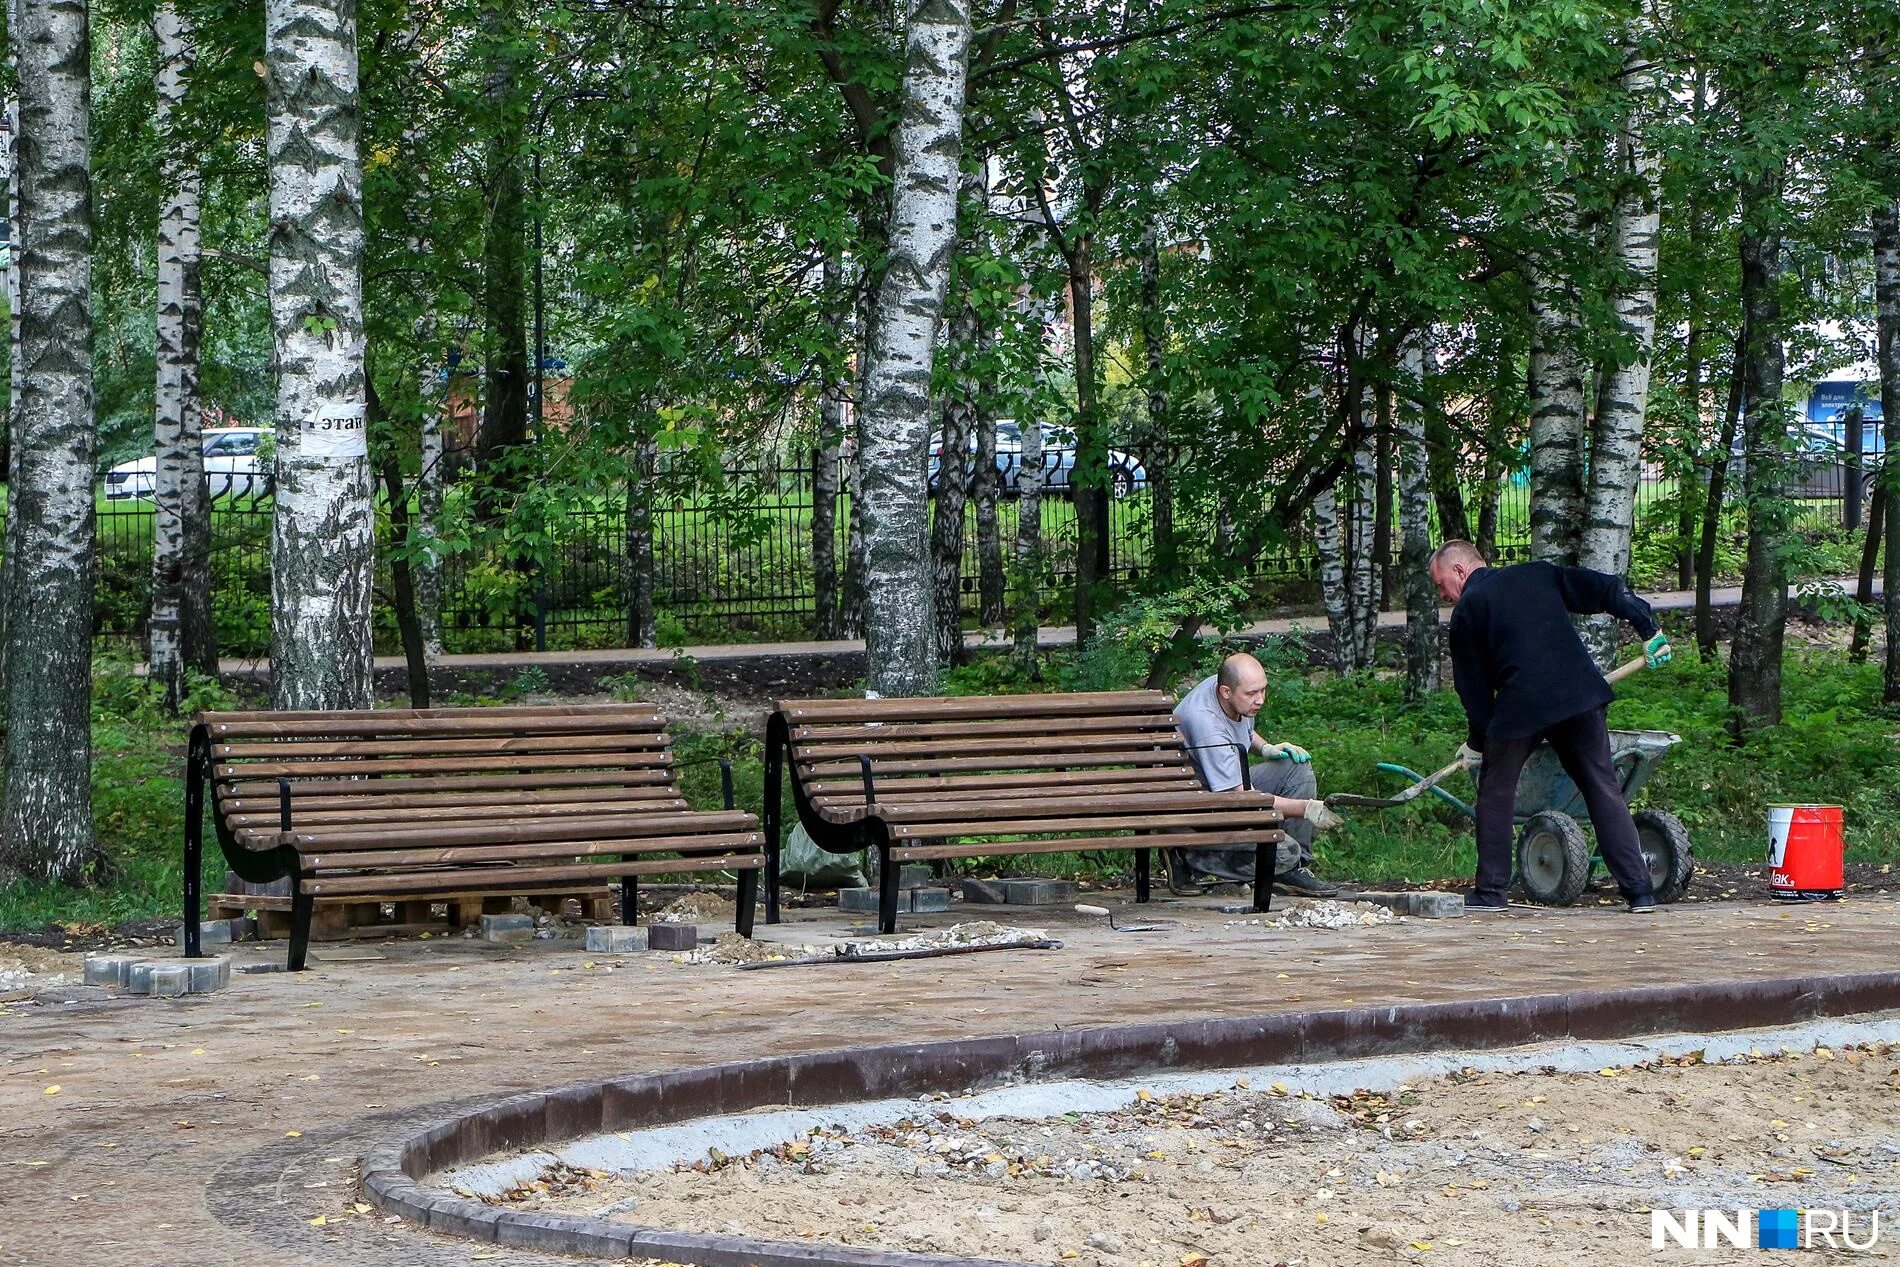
pixel 732 562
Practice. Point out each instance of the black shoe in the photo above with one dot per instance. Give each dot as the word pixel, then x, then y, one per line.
pixel 1301 882
pixel 1477 905
pixel 1182 882
pixel 1644 905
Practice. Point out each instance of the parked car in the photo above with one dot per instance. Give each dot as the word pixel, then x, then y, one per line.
pixel 1125 471
pixel 231 468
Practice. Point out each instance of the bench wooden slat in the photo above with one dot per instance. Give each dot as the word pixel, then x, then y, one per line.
pixel 599 741
pixel 1043 742
pixel 525 801
pixel 372 814
pixel 631 827
pixel 974 707
pixel 506 876
pixel 659 775
pixel 1130 822
pixel 962 729
pixel 1005 761
pixel 632 759
pixel 1050 782
pixel 1078 844
pixel 743 842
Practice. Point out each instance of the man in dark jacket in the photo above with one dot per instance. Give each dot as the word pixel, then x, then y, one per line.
pixel 1524 677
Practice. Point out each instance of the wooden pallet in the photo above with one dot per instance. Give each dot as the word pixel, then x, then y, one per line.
pixel 342 918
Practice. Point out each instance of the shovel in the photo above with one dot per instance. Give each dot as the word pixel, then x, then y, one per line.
pixel 1615 675
pixel 1153 926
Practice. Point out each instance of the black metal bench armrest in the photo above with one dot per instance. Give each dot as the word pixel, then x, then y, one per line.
pixel 725 774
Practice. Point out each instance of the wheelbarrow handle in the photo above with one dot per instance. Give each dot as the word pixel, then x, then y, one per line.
pixel 1622 671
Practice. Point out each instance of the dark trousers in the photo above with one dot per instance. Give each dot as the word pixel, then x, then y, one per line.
pixel 1582 744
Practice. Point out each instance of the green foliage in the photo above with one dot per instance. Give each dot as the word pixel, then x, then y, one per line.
pixel 1132 637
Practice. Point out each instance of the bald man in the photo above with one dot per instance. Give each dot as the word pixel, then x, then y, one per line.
pixel 1525 678
pixel 1217 718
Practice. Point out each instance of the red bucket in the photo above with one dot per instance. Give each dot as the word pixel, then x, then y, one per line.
pixel 1806 844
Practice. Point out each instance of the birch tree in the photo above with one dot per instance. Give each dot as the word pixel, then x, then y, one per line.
pixel 1415 530
pixel 9 556
pixel 180 625
pixel 323 538
pixel 46 821
pixel 1623 401
pixel 1556 403
pixel 953 479
pixel 894 429
pixel 1026 628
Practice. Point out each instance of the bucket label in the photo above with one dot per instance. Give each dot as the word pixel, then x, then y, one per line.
pixel 1779 821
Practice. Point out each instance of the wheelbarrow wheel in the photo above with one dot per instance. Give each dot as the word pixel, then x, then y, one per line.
pixel 1665 845
pixel 1553 859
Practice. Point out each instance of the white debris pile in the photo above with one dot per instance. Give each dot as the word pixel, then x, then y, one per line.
pixel 977 932
pixel 1325 913
pixel 732 948
pixel 29 970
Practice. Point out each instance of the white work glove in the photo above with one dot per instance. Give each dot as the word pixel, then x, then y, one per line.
pixel 1287 752
pixel 1323 819
pixel 1470 756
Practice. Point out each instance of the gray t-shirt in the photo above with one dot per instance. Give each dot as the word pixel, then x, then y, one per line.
pixel 1212 734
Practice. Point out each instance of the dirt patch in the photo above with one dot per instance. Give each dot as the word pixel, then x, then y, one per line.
pixel 1508 1169
pixel 697 908
pixel 731 948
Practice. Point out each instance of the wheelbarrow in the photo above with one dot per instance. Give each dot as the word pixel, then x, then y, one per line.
pixel 1554 856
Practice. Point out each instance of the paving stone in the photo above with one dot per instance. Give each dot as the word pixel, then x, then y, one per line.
pixel 672 936
pixel 929 901
pixel 1424 904
pixel 1038 892
pixel 915 875
pixel 219 932
pixel 169 981
pixel 615 939
pixel 982 891
pixel 862 900
pixel 138 977
pixel 508 929
pixel 209 974
pixel 110 969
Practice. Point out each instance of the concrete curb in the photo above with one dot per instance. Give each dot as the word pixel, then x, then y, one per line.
pixel 392 1170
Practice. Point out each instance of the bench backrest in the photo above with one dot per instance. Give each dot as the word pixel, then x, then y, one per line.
pixel 975 747
pixel 399 762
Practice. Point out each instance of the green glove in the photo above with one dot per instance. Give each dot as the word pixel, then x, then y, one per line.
pixel 1656 650
pixel 1288 752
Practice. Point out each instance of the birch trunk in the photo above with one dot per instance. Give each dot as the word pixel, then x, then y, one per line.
pixel 1155 452
pixel 1616 441
pixel 430 476
pixel 1028 605
pixel 642 618
pixel 1705 634
pixel 953 481
pixel 1754 678
pixel 854 577
pixel 1088 479
pixel 10 555
pixel 46 824
pixel 990 585
pixel 1556 402
pixel 1361 558
pixel 894 431
pixel 180 625
pixel 826 622
pixel 1329 541
pixel 323 539
pixel 1887 291
pixel 1415 528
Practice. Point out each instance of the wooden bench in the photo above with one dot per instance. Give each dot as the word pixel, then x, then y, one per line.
pixel 978 776
pixel 405 803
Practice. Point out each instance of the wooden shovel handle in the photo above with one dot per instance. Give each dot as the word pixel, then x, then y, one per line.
pixel 1622 671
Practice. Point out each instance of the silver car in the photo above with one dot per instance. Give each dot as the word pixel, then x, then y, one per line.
pixel 1125 471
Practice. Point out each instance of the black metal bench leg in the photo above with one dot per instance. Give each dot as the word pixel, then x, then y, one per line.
pixel 302 907
pixel 196 772
pixel 629 900
pixel 888 873
pixel 1143 873
pixel 771 879
pixel 1264 856
pixel 771 819
pixel 748 898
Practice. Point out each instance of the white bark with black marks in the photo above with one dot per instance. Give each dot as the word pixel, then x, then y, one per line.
pixel 46 824
pixel 8 556
pixel 1026 617
pixel 323 542
pixel 1887 293
pixel 1556 406
pixel 1415 512
pixel 1616 441
pixel 953 481
pixel 894 429
pixel 180 625
pixel 1362 560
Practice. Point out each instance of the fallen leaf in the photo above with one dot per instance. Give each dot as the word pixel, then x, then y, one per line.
pixel 293 1134
pixel 319 1221
pixel 52 1090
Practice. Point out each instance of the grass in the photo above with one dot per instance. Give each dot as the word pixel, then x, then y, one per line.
pixel 1836 745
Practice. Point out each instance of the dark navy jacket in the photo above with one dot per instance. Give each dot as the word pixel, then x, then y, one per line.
pixel 1515 655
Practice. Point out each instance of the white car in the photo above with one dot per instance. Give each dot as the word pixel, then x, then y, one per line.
pixel 231 468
